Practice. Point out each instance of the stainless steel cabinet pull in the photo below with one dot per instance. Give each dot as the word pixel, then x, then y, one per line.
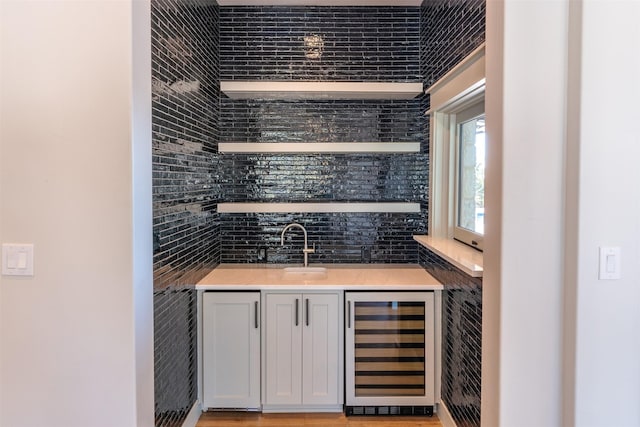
pixel 348 314
pixel 307 310
pixel 256 313
pixel 296 311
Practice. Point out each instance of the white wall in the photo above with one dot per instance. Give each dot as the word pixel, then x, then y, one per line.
pixel 607 213
pixel 522 286
pixel 142 215
pixel 76 346
pixel 561 348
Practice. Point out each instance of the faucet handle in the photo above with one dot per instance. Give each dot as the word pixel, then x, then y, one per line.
pixel 310 251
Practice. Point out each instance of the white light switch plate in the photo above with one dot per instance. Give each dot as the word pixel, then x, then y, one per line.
pixel 609 265
pixel 17 259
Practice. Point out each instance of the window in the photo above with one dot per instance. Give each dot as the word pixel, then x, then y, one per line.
pixel 469 176
pixel 457 150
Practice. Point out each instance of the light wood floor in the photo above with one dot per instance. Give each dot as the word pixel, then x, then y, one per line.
pixel 252 419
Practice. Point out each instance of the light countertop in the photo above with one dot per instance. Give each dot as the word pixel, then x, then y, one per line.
pixel 338 277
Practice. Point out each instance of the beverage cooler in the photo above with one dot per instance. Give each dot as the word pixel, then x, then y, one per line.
pixel 389 353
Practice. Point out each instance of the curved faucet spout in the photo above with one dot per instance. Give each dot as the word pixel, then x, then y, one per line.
pixel 306 251
pixel 292 225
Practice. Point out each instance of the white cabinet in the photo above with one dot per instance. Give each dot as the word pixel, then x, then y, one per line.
pixel 231 350
pixel 303 342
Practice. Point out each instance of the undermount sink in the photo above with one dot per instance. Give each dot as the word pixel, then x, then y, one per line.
pixel 315 272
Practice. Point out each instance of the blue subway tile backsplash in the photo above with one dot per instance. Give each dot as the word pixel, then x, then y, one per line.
pixel 339 237
pixel 320 43
pixel 322 121
pixel 175 379
pixel 325 177
pixel 335 44
pixel 450 30
pixel 185 126
pixel 461 338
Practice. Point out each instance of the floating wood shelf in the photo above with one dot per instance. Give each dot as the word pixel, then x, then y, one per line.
pixel 319 147
pixel 416 3
pixel 297 90
pixel 326 207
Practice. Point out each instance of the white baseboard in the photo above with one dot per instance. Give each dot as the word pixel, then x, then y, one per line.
pixel 445 416
pixel 193 416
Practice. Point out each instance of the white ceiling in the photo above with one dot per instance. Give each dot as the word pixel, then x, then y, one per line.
pixel 319 2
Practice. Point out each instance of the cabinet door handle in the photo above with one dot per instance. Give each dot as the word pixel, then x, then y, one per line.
pixel 296 311
pixel 349 314
pixel 307 310
pixel 256 314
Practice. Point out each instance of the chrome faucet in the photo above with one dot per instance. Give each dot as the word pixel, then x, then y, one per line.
pixel 306 251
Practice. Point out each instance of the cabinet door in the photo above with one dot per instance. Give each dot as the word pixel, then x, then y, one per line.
pixel 283 343
pixel 231 350
pixel 320 356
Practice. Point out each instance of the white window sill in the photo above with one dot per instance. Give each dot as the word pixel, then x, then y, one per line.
pixel 462 256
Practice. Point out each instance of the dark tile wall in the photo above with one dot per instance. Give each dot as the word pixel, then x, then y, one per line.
pixel 185 137
pixel 321 121
pixel 325 177
pixel 359 44
pixel 461 338
pixel 175 333
pixel 339 237
pixel 450 30
pixel 186 189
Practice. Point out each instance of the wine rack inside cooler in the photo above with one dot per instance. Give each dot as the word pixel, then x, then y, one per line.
pixel 389 348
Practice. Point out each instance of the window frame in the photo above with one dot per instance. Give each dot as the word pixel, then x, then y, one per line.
pixel 458 90
pixel 470 111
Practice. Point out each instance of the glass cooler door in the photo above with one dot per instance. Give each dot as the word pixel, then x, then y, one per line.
pixel 389 348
